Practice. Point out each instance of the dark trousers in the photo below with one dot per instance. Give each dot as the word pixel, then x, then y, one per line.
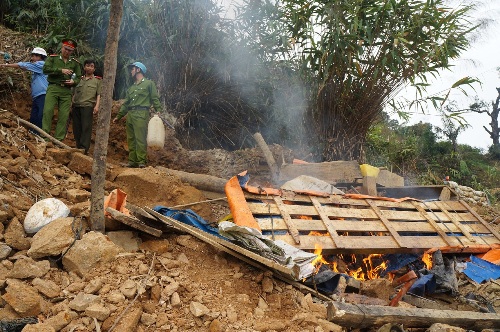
pixel 37 110
pixel 82 126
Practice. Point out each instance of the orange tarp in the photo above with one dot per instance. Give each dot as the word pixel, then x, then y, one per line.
pixel 242 215
pixel 492 256
pixel 117 200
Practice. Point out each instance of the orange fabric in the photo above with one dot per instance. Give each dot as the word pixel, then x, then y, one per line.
pixel 259 190
pixel 312 193
pixel 398 200
pixel 263 191
pixel 117 200
pixel 492 256
pixel 299 162
pixel 242 215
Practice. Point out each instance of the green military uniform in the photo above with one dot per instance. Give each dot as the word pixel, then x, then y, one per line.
pixel 140 96
pixel 58 93
pixel 84 100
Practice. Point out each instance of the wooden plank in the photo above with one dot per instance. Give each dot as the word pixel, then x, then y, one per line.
pixel 286 217
pixel 349 212
pixel 328 224
pixel 369 186
pixel 481 220
pixel 133 222
pixel 365 244
pixel 432 222
pixel 226 246
pixel 341 200
pixel 456 222
pixel 384 244
pixel 277 224
pixel 359 316
pixel 387 224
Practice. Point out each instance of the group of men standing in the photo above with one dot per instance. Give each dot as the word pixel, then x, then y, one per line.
pixel 57 80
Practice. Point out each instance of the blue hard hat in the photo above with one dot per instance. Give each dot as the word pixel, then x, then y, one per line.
pixel 139 65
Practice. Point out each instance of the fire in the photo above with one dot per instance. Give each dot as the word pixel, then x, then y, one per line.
pixel 358 274
pixel 374 272
pixel 315 233
pixel 427 259
pixel 369 270
pixel 319 260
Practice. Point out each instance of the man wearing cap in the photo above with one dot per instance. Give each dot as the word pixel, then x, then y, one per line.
pixel 63 73
pixel 138 100
pixel 38 82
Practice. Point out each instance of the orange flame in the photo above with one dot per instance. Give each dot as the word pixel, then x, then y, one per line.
pixel 427 259
pixel 319 260
pixel 373 272
pixel 358 274
pixel 316 233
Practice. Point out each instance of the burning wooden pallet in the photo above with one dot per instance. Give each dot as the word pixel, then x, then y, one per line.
pixel 339 224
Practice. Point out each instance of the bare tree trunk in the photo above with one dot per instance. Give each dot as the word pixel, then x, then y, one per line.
pixel 495 130
pixel 104 117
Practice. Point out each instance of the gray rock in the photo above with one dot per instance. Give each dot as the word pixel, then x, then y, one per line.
pixel 97 311
pixel 53 239
pixel 93 248
pixel 28 268
pixel 198 309
pixel 82 301
pixel 47 287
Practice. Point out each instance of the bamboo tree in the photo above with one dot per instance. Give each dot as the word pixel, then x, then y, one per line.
pixel 358 54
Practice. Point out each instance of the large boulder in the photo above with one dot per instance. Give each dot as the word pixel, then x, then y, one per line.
pixel 93 248
pixel 53 239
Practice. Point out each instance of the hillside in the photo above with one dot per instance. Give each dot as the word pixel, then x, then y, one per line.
pixel 172 283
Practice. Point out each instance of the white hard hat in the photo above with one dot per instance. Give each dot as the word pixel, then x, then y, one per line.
pixel 39 51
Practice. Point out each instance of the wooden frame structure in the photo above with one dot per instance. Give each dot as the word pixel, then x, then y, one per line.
pixel 339 224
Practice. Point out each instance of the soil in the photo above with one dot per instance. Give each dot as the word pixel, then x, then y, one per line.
pixel 238 297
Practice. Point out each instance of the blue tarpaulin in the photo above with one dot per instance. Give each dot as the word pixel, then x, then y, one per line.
pixel 188 217
pixel 426 284
pixel 480 270
pixel 396 261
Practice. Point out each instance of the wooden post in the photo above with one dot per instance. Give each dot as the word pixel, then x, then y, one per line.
pixel 369 185
pixel 273 167
pixel 362 316
pixel 200 181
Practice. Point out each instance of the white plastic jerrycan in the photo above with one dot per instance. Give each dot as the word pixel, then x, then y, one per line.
pixel 156 133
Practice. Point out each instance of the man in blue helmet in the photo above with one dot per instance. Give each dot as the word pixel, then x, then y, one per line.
pixel 138 100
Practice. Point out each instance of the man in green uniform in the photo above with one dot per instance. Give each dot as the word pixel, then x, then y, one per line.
pixel 63 73
pixel 140 96
pixel 86 98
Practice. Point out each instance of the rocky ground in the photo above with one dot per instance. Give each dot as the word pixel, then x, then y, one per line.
pixel 128 280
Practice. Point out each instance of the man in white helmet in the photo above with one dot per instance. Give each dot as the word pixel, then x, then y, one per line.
pixel 39 82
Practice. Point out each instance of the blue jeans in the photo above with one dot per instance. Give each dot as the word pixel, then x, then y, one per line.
pixel 37 110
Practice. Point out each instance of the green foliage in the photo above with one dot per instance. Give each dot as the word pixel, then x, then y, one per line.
pixel 418 153
pixel 54 19
pixel 357 55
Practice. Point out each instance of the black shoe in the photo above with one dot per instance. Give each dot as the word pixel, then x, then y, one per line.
pixel 141 166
